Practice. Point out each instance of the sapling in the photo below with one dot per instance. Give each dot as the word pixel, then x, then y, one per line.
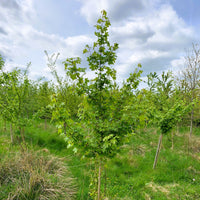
pixel 168 120
pixel 101 127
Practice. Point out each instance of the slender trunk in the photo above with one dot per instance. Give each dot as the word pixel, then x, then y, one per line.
pixel 99 181
pixel 105 184
pixel 158 151
pixel 4 128
pixel 177 130
pixel 146 123
pixel 188 149
pixel 20 130
pixel 22 134
pixel 191 128
pixel 191 122
pixel 23 130
pixel 11 133
pixel 65 126
pixel 45 123
pixel 172 140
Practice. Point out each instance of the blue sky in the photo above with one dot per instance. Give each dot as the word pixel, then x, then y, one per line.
pixel 155 33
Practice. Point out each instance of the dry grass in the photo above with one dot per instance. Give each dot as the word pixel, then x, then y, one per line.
pixel 195 144
pixel 158 188
pixel 35 175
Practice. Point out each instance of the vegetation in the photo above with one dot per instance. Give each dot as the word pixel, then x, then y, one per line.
pixel 129 174
pixel 83 138
pixel 34 175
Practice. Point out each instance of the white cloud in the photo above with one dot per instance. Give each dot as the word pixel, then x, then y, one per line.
pixel 177 65
pixel 153 40
pixel 118 10
pixel 22 43
pixel 148 32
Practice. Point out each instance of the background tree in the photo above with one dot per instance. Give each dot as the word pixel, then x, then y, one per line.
pixel 1 63
pixel 43 94
pixel 189 79
pixel 3 91
pixel 65 100
pixel 15 98
pixel 165 110
pixel 133 101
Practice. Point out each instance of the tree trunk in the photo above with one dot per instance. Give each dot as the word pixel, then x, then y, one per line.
pixel 188 149
pixel 99 181
pixel 45 123
pixel 65 126
pixel 191 128
pixel 191 122
pixel 4 128
pixel 158 151
pixel 172 140
pixel 11 133
pixel 22 134
pixel 105 184
pixel 177 130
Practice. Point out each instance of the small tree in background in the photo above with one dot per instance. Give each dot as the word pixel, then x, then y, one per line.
pixel 1 63
pixel 14 98
pixel 43 94
pixel 166 112
pixel 167 120
pixel 189 79
pixel 3 93
pixel 65 100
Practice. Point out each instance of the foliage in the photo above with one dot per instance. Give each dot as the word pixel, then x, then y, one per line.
pixel 169 119
pixel 100 129
pixel 65 99
pixel 14 98
pixel 167 108
pixel 133 80
pixel 1 62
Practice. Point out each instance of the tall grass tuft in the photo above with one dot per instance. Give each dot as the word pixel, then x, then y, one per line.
pixel 29 175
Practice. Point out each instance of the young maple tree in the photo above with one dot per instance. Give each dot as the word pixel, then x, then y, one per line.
pixel 101 127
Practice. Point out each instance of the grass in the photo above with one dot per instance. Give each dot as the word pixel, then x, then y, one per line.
pixel 177 175
pixel 128 176
pixel 30 174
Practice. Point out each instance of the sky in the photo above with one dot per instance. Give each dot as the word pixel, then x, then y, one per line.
pixel 155 33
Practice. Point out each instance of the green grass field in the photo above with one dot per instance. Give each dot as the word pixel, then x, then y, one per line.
pixel 129 175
